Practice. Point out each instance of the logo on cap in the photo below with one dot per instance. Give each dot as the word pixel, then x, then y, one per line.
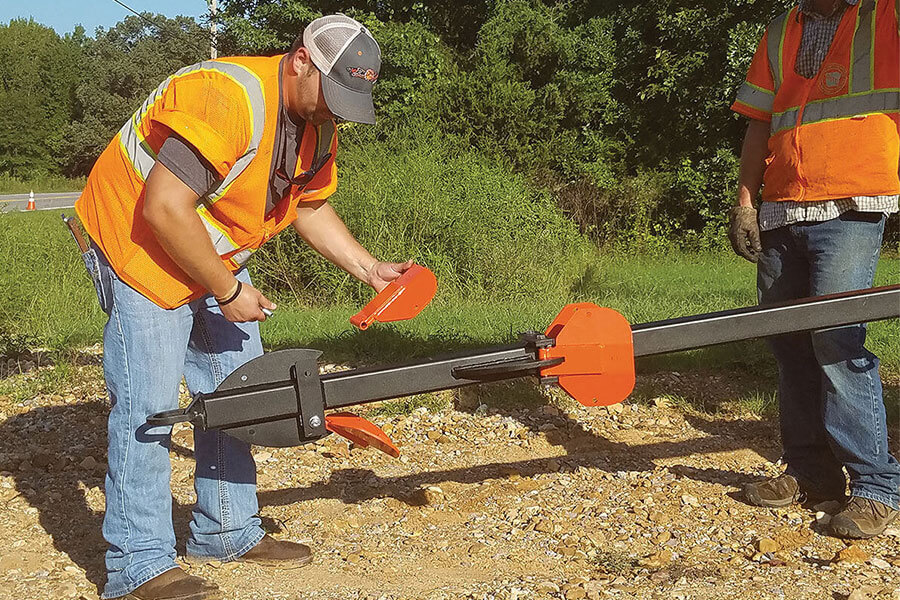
pixel 367 74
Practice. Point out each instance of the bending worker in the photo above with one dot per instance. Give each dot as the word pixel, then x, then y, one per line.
pixel 823 96
pixel 221 156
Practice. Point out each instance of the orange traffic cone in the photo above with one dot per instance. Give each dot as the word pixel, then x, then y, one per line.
pixel 30 201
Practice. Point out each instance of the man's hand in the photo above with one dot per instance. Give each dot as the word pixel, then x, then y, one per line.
pixel 382 273
pixel 247 306
pixel 744 232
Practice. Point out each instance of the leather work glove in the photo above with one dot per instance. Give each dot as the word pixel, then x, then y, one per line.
pixel 744 232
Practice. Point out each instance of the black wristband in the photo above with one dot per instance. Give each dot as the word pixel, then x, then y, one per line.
pixel 237 292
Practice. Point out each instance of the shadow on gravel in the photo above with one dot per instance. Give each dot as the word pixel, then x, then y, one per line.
pixel 47 452
pixel 57 456
pixel 584 448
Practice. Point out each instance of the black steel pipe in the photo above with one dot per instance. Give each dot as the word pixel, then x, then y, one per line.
pixel 700 331
pixel 360 386
pixel 279 400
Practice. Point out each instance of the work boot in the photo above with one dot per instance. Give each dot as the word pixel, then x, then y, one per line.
pixel 862 518
pixel 784 490
pixel 175 584
pixel 270 552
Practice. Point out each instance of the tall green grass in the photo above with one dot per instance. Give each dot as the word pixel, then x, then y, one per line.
pixel 42 184
pixel 486 233
pixel 45 293
pixel 44 288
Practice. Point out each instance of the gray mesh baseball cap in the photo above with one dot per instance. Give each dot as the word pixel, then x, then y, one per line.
pixel 350 60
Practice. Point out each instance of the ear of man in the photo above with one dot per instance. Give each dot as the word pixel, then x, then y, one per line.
pixel 301 62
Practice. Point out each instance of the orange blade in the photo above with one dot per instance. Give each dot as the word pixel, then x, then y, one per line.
pixel 361 432
pixel 400 300
pixel 599 354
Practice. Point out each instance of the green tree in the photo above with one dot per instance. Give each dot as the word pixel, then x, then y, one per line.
pixel 122 66
pixel 38 72
pixel 678 66
pixel 596 96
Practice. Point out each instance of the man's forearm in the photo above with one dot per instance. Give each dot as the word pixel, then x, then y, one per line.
pixel 169 209
pixel 753 161
pixel 321 227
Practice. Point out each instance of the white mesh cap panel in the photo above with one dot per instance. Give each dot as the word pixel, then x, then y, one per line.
pixel 326 38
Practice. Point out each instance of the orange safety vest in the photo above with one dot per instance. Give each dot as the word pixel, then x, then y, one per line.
pixel 836 135
pixel 228 110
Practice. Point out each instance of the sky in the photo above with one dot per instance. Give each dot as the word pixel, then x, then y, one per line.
pixel 64 15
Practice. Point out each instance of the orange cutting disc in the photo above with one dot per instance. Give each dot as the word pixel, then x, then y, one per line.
pixel 402 299
pixel 361 432
pixel 596 344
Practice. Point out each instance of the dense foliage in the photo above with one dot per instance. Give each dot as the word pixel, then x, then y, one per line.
pixel 38 75
pixel 620 110
pixel 120 67
pixel 485 233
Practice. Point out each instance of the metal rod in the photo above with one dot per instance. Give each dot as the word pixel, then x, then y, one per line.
pixel 699 331
pixel 361 386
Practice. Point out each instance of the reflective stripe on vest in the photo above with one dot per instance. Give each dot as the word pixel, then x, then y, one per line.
pixel 862 61
pixel 861 100
pixel 221 240
pixel 842 107
pixel 324 139
pixel 143 158
pixel 775 47
pixel 756 97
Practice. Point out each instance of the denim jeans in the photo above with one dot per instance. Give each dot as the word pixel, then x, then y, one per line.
pixel 829 389
pixel 146 351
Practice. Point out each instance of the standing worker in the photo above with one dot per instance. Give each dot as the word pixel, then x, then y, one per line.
pixel 823 95
pixel 222 156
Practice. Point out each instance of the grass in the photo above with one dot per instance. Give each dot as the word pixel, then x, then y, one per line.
pixel 20 388
pixel 433 403
pixel 38 185
pixel 47 299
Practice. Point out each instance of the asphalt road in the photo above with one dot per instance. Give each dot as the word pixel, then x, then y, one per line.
pixel 51 201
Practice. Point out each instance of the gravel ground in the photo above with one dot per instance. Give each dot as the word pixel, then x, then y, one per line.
pixel 527 496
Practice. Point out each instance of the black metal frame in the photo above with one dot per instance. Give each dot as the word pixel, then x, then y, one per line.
pixel 822 312
pixel 279 399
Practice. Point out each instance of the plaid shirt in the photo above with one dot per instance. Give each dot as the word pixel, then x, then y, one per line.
pixel 818 33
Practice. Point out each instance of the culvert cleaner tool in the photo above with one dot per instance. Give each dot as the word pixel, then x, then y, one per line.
pixel 280 399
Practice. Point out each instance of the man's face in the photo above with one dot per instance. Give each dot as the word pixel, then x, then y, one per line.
pixel 307 100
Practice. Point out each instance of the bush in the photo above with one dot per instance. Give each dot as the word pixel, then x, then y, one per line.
pixel 485 232
pixel 628 211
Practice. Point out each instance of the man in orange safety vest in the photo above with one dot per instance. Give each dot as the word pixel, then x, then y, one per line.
pixel 823 98
pixel 220 157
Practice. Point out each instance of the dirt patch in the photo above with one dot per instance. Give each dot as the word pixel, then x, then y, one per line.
pixel 533 498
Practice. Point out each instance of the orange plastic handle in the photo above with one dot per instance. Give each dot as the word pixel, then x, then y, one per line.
pixel 361 432
pixel 401 299
pixel 596 344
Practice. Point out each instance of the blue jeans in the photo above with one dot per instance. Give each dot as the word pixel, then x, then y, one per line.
pixel 146 351
pixel 829 389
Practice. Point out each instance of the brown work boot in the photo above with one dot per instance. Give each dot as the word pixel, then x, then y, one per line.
pixel 175 584
pixel 862 518
pixel 784 490
pixel 270 552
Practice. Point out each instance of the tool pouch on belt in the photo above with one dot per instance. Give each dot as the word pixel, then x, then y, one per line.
pixel 91 257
